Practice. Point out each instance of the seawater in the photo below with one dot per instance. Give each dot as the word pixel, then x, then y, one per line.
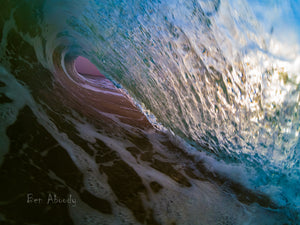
pixel 219 80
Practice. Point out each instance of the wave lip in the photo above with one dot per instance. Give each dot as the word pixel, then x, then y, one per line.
pixel 208 73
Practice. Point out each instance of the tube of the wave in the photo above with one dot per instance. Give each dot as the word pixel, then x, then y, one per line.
pixel 85 67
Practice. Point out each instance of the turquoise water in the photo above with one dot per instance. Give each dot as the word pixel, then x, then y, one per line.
pixel 221 76
pixel 217 80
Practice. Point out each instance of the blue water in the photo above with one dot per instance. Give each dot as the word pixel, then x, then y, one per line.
pixel 222 75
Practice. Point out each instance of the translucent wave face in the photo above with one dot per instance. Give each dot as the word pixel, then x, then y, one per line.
pixel 212 72
pixel 209 71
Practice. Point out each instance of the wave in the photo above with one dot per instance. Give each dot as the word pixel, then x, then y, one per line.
pixel 215 81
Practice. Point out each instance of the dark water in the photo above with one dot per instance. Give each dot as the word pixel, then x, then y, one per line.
pixel 217 79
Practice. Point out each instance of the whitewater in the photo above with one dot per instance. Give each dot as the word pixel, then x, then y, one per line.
pixel 192 117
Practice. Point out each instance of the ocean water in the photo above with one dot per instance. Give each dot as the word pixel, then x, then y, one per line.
pixel 213 139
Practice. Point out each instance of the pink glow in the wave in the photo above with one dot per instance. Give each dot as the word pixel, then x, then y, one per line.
pixel 84 66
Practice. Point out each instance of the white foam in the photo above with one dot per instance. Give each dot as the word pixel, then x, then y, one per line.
pixel 96 89
pixel 9 111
